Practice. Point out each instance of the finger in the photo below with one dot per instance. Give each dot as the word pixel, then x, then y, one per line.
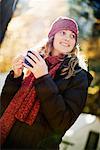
pixel 18 58
pixel 27 66
pixel 30 60
pixel 21 59
pixel 18 63
pixel 33 57
pixel 36 53
pixel 18 66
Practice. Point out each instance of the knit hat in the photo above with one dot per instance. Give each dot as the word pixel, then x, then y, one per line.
pixel 62 23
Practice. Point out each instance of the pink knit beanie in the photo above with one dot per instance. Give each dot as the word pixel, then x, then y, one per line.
pixel 62 23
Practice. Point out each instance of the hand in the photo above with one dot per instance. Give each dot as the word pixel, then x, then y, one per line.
pixel 40 67
pixel 17 66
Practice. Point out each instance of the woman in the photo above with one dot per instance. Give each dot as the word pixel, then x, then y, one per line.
pixel 39 108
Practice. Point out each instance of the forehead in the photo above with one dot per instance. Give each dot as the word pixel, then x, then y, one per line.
pixel 67 31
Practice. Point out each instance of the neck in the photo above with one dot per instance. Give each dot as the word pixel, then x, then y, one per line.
pixel 55 53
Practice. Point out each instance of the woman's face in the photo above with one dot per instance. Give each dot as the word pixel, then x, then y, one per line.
pixel 64 42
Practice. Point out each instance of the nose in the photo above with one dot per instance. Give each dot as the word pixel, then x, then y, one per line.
pixel 67 38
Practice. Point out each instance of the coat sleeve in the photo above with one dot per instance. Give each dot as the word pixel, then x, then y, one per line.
pixel 61 110
pixel 9 89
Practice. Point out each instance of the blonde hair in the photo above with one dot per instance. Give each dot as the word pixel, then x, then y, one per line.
pixel 75 55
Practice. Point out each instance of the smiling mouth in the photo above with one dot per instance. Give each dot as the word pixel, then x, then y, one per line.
pixel 64 44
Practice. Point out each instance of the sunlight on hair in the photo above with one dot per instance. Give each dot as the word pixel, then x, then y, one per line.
pixel 82 58
pixel 40 45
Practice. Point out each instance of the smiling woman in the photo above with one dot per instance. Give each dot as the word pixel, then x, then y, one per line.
pixel 64 42
pixel 37 110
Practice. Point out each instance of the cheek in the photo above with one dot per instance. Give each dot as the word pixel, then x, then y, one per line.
pixel 73 42
pixel 56 42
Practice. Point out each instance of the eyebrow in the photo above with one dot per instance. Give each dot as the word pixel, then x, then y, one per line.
pixel 69 30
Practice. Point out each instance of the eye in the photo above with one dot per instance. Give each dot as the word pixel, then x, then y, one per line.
pixel 62 33
pixel 73 36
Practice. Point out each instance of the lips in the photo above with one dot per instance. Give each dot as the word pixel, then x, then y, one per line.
pixel 65 44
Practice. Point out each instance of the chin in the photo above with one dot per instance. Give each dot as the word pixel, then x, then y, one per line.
pixel 65 52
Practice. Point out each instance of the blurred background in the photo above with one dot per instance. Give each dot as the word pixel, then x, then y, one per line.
pixel 25 23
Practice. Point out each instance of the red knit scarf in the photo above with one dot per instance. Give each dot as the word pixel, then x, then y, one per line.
pixel 24 106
